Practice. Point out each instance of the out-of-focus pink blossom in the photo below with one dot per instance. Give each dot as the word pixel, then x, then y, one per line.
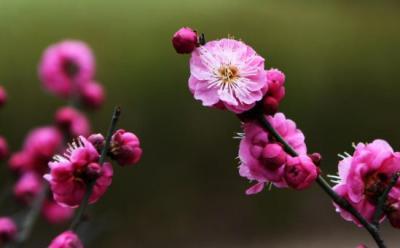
pixel 185 40
pixel 3 148
pixel 3 96
pixel 125 148
pixel 300 172
pixel 8 230
pixel 19 162
pixel 67 239
pixel 92 94
pixel 228 74
pixel 69 176
pixel 72 121
pixel 276 91
pixel 65 66
pixel 365 175
pixel 28 187
pixel 56 214
pixel 252 153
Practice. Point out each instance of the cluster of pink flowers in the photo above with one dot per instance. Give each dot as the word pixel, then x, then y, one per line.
pixel 364 176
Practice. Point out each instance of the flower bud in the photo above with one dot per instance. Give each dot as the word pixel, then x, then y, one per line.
pixel 72 121
pixel 97 141
pixel 316 158
pixel 300 172
pixel 27 187
pixel 3 148
pixel 67 239
pixel 125 148
pixel 8 230
pixel 276 91
pixel 361 246
pixel 270 105
pixel 394 214
pixel 273 156
pixel 18 162
pixel 93 171
pixel 3 96
pixel 185 40
pixel 92 94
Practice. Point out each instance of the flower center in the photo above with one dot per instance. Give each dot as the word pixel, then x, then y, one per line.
pixel 228 74
pixel 375 185
pixel 71 69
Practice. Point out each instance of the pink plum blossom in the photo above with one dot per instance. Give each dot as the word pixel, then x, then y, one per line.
pixel 8 230
pixel 72 121
pixel 228 74
pixel 365 175
pixel 97 141
pixel 70 174
pixel 276 91
pixel 125 148
pixel 300 172
pixel 185 40
pixel 92 94
pixel 56 214
pixel 28 187
pixel 67 239
pixel 3 148
pixel 65 66
pixel 253 155
pixel 3 96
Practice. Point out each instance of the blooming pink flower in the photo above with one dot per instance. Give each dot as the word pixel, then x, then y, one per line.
pixel 27 187
pixel 125 148
pixel 67 239
pixel 65 66
pixel 253 154
pixel 3 148
pixel 8 229
pixel 276 91
pixel 228 74
pixel 70 174
pixel 300 172
pixel 3 96
pixel 72 121
pixel 92 94
pixel 185 40
pixel 56 214
pixel 365 175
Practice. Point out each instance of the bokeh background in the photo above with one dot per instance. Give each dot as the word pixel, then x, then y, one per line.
pixel 342 62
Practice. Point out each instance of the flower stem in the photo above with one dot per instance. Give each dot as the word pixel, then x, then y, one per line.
pixel 85 201
pixel 343 203
pixel 382 199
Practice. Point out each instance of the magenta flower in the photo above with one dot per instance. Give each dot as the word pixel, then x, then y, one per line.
pixel 70 174
pixel 56 214
pixel 3 96
pixel 8 230
pixel 65 66
pixel 255 152
pixel 300 172
pixel 276 91
pixel 92 94
pixel 228 74
pixel 72 121
pixel 125 148
pixel 365 175
pixel 67 239
pixel 28 187
pixel 4 152
pixel 185 40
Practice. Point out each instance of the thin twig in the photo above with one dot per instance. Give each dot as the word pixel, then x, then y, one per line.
pixel 343 203
pixel 382 200
pixel 85 201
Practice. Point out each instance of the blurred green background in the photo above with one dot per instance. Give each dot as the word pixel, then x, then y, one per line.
pixel 341 59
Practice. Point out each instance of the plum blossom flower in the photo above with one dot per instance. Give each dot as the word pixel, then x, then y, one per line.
pixel 125 148
pixel 254 156
pixel 3 148
pixel 8 230
pixel 28 187
pixel 364 176
pixel 92 94
pixel 56 214
pixel 72 121
pixel 276 91
pixel 65 66
pixel 300 172
pixel 228 74
pixel 70 173
pixel 185 40
pixel 67 239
